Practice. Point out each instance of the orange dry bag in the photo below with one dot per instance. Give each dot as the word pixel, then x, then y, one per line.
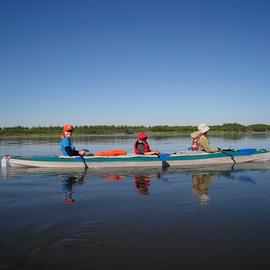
pixel 111 153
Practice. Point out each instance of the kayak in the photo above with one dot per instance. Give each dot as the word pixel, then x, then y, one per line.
pixel 182 158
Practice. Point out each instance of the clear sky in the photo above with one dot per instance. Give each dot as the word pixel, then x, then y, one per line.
pixel 148 62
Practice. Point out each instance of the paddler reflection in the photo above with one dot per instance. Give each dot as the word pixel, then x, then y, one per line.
pixel 142 183
pixel 200 185
pixel 67 186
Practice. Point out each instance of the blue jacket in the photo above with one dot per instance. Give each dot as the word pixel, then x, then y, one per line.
pixel 67 148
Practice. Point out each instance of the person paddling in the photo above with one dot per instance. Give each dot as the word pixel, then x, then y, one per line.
pixel 142 147
pixel 67 147
pixel 201 141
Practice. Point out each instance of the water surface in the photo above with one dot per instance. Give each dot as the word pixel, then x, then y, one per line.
pixel 207 218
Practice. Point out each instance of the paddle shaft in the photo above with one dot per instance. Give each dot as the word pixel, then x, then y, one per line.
pixel 84 162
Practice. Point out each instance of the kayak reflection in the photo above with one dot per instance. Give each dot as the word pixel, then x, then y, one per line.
pixel 142 178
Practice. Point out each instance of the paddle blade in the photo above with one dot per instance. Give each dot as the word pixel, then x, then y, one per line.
pixel 247 152
pixel 164 156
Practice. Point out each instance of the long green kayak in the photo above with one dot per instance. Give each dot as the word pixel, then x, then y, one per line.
pixel 183 158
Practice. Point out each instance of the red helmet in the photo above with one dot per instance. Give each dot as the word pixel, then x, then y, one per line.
pixel 68 127
pixel 142 136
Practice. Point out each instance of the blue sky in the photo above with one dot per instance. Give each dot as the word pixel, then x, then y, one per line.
pixel 137 62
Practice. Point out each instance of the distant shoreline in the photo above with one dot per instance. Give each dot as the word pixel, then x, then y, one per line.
pixel 123 135
pixel 228 129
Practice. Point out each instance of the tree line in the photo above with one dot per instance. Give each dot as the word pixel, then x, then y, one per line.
pixel 127 130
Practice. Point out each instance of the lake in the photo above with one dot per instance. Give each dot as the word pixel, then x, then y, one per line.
pixel 202 218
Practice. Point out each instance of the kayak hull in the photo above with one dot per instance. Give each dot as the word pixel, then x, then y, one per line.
pixel 184 159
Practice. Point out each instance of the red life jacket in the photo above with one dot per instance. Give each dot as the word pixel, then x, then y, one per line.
pixel 146 147
pixel 196 146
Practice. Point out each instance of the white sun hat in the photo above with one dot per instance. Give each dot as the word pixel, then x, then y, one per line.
pixel 203 128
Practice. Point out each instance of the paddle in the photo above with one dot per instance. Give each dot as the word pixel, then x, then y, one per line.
pixel 83 160
pixel 242 152
pixel 247 152
pixel 163 156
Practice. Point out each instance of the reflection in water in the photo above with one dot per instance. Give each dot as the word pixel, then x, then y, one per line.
pixel 142 184
pixel 69 177
pixel 201 177
pixel 5 174
pixel 113 178
pixel 67 185
pixel 142 181
pixel 142 178
pixel 244 178
pixel 200 184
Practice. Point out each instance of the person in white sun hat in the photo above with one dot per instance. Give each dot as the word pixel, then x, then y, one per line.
pixel 201 141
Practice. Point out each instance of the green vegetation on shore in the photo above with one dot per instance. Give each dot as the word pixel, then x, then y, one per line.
pixel 129 130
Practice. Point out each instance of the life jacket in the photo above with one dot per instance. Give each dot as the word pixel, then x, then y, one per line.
pixel 196 146
pixel 146 147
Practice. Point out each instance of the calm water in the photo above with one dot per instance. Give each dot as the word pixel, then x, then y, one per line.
pixel 205 218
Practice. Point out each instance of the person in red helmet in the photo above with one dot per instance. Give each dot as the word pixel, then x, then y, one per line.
pixel 67 146
pixel 142 147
